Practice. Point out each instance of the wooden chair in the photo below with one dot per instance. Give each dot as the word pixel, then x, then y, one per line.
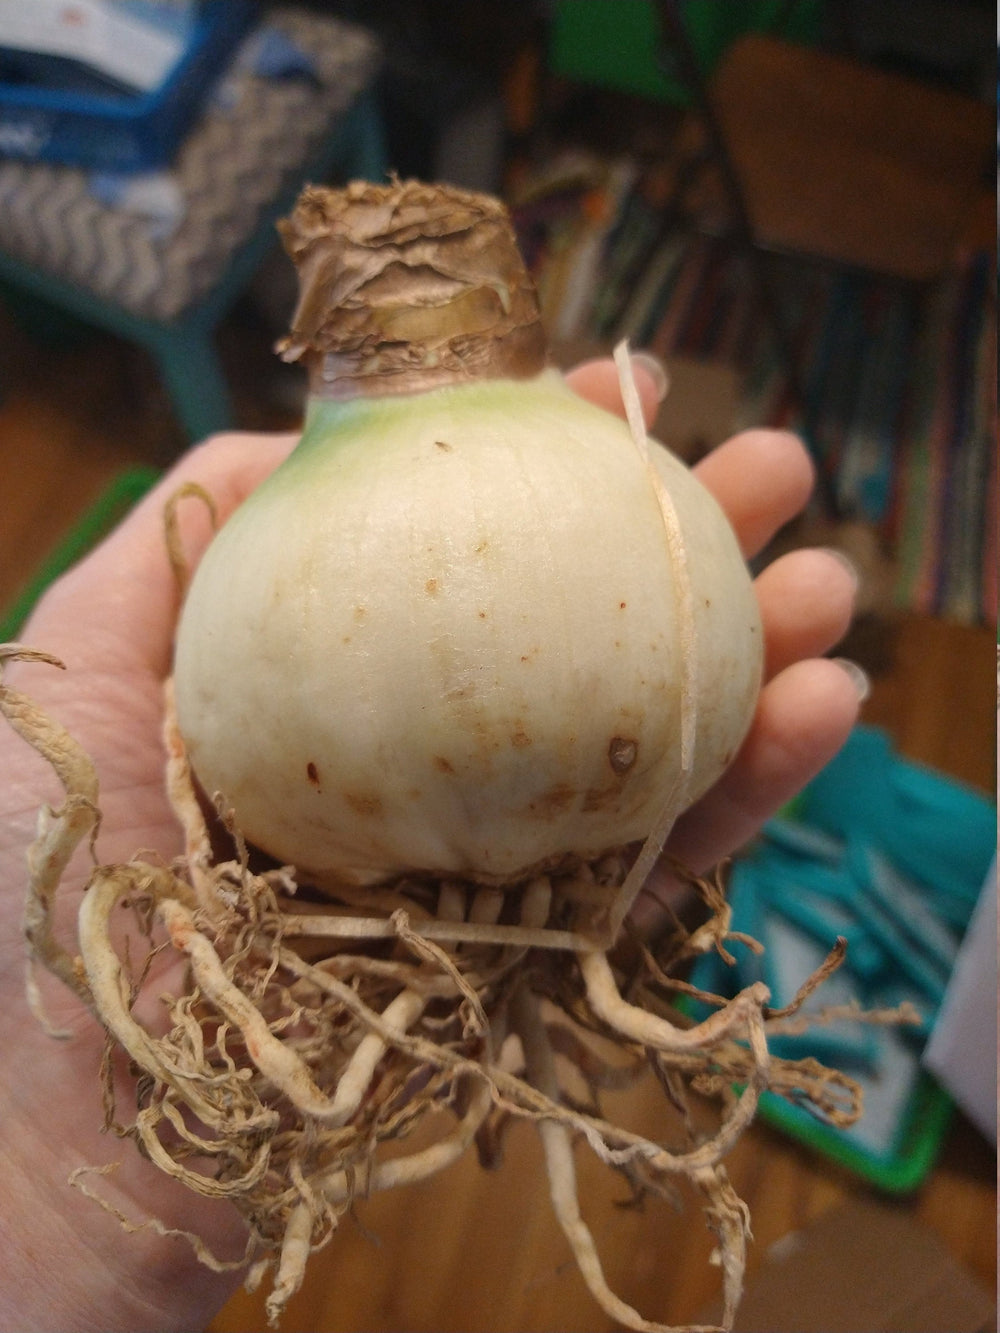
pixel 820 156
pixel 830 158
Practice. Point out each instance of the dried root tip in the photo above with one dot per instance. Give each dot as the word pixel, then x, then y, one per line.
pixel 541 1072
pixel 561 1171
pixel 566 1203
pixel 729 1217
pixel 60 831
pixel 79 1180
pixel 185 804
pixel 295 1250
pixel 172 532
pixel 19 652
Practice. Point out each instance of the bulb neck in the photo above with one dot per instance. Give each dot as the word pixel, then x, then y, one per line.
pixel 408 287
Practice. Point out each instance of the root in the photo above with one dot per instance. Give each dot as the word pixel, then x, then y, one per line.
pixel 557 1147
pixel 299 1039
pixel 79 1180
pixel 60 831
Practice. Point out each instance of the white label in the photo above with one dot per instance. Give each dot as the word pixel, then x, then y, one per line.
pixel 102 35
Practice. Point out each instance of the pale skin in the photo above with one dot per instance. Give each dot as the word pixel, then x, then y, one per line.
pixel 68 1265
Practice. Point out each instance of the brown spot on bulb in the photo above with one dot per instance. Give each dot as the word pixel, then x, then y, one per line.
pixel 368 806
pixel 553 802
pixel 622 754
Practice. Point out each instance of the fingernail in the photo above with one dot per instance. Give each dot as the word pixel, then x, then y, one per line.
pixel 656 371
pixel 859 678
pixel 847 563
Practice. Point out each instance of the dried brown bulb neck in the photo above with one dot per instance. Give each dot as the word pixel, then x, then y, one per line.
pixel 406 287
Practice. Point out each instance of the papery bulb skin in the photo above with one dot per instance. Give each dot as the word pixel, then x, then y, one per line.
pixel 456 633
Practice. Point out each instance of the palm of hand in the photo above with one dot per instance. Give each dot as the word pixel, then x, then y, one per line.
pixel 110 621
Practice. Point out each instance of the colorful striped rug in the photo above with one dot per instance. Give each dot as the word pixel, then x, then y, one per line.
pixel 899 394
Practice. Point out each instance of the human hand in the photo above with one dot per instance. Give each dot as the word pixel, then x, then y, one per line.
pixel 111 621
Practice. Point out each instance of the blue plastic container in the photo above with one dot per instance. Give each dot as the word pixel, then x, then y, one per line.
pixel 122 131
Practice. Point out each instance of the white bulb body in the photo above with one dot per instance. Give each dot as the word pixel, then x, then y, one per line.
pixel 447 636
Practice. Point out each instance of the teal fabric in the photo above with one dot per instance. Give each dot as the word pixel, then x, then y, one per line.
pixel 930 827
pixel 891 857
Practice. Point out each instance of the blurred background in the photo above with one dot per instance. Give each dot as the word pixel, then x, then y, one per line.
pixel 793 204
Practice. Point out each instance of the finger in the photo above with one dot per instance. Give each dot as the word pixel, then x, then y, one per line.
pixel 762 479
pixel 804 716
pixel 806 602
pixel 598 382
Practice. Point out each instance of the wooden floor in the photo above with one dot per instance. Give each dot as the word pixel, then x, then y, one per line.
pixel 480 1251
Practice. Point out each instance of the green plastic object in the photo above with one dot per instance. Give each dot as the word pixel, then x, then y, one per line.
pixel 103 515
pixel 900 1169
pixel 890 856
pixel 615 45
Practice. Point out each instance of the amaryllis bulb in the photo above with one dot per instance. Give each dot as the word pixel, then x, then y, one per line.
pixel 469 629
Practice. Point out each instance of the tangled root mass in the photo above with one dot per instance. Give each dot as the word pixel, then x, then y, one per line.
pixel 303 1036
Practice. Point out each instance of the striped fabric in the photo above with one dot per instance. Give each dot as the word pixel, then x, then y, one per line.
pixel 255 134
pixel 900 400
pixel 945 511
